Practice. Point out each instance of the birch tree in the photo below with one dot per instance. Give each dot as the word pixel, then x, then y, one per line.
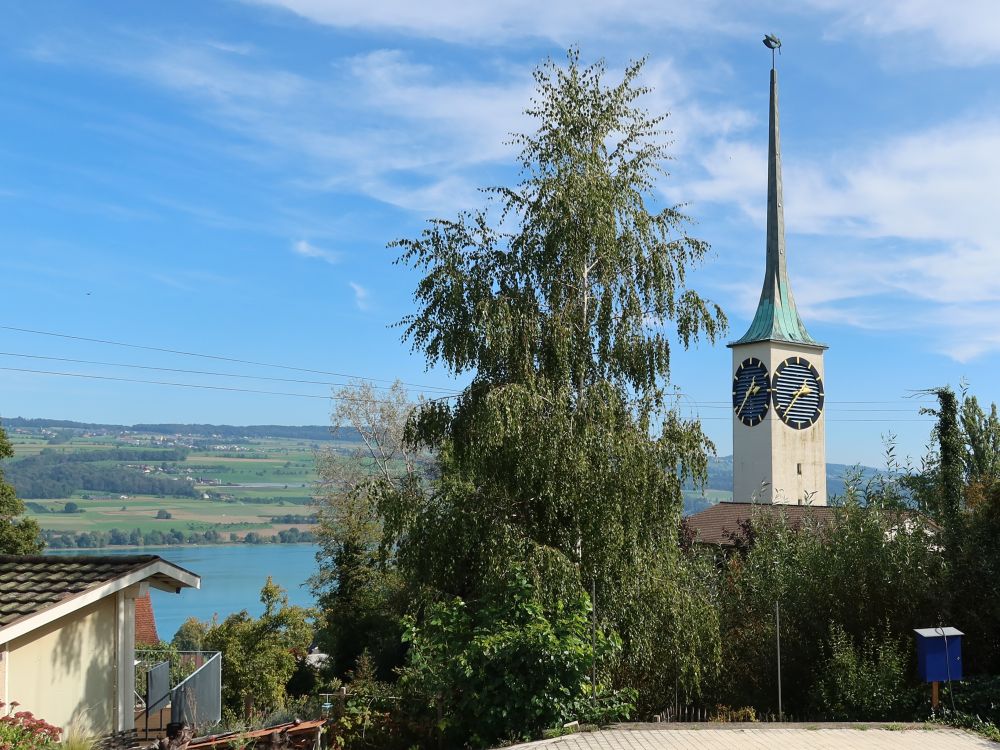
pixel 564 300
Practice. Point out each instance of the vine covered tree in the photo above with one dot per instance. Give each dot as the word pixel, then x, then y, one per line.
pixel 564 299
pixel 18 536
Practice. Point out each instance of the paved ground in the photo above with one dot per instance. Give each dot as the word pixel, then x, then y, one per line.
pixel 758 737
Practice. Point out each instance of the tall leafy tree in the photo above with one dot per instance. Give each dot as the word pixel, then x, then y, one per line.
pixel 564 299
pixel 18 536
pixel 259 654
pixel 357 585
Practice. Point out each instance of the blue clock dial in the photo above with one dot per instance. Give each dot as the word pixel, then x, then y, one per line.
pixel 797 392
pixel 751 392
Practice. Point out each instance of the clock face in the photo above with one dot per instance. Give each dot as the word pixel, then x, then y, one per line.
pixel 797 392
pixel 751 392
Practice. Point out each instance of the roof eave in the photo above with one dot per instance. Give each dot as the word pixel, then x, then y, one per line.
pixel 158 573
pixel 811 344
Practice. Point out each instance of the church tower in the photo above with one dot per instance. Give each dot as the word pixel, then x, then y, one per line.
pixel 779 424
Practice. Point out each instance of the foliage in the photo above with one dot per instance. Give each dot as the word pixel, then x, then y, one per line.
pixel 54 473
pixel 190 636
pixel 367 714
pixel 18 536
pixel 359 589
pixel 869 570
pixel 564 303
pixel 960 486
pixel 977 696
pixel 508 667
pixel 22 731
pixel 862 683
pixel 136 537
pixel 260 654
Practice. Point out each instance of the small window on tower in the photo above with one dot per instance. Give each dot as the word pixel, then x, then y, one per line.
pixel 798 469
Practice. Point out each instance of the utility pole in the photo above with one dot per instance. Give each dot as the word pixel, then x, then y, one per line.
pixel 593 639
pixel 777 633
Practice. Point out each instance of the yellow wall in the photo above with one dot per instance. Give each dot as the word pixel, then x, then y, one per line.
pixel 64 672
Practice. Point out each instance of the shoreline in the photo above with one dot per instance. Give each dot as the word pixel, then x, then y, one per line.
pixel 77 550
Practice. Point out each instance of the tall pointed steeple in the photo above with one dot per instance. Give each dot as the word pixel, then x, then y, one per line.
pixel 777 318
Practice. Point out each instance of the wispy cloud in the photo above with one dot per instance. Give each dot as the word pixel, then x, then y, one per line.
pixel 378 123
pixel 562 21
pixel 308 250
pixel 361 295
pixel 917 216
pixel 924 31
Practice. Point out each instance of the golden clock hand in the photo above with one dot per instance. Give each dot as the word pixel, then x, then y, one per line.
pixel 804 390
pixel 750 390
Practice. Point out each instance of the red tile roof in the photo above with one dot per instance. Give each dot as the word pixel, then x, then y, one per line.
pixel 145 622
pixel 717 524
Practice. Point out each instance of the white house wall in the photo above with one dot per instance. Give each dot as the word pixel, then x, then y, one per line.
pixel 65 671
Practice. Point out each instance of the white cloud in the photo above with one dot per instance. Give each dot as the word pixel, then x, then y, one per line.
pixel 966 33
pixel 361 295
pixel 376 124
pixel 308 250
pixel 493 23
pixel 917 218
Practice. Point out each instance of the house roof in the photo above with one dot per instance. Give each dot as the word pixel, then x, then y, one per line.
pixel 717 524
pixel 35 589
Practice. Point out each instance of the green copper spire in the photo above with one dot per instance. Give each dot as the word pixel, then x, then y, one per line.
pixel 777 319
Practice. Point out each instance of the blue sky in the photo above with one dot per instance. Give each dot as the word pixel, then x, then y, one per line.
pixel 223 178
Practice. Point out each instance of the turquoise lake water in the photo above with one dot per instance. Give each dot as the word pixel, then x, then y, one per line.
pixel 231 578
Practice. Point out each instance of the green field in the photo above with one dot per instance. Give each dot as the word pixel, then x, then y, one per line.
pixel 140 513
pixel 240 488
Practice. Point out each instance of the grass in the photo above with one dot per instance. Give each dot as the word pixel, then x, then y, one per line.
pixel 286 468
pixel 139 513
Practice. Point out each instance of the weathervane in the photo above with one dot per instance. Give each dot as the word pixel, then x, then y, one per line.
pixel 772 43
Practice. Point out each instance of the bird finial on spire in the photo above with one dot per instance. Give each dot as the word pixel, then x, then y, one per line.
pixel 772 43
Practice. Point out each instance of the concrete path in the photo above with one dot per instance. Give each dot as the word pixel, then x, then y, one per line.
pixel 764 737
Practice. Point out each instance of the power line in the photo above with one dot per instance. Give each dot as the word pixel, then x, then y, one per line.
pixel 176 369
pixel 186 385
pixel 211 356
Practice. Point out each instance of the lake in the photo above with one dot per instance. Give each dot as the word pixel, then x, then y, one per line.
pixel 231 578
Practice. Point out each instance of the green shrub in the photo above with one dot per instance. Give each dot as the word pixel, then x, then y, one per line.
pixel 508 666
pixel 866 682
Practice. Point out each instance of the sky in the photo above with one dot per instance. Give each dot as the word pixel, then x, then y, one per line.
pixel 222 178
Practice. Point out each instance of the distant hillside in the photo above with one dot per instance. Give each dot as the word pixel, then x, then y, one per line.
pixel 301 432
pixel 720 482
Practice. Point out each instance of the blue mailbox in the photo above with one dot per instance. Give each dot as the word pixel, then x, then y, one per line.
pixel 939 654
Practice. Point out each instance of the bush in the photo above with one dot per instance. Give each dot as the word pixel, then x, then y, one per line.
pixel 866 683
pixel 22 731
pixel 977 696
pixel 506 667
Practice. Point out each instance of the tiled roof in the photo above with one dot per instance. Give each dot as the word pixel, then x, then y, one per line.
pixel 145 622
pixel 715 525
pixel 29 583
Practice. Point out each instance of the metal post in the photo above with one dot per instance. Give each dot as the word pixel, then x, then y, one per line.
pixel 777 633
pixel 593 639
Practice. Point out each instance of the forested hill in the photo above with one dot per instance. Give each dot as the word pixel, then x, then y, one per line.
pixel 296 432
